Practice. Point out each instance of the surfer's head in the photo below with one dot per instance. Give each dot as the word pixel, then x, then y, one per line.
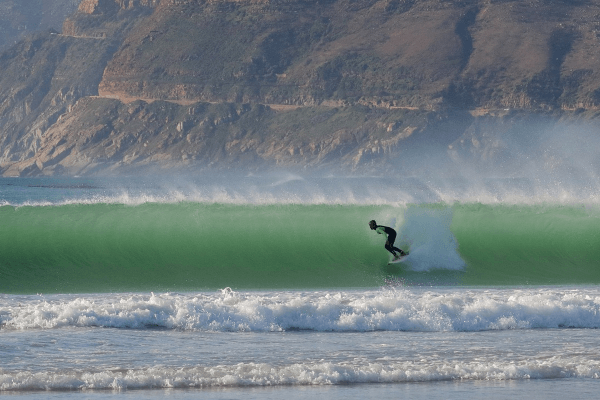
pixel 372 224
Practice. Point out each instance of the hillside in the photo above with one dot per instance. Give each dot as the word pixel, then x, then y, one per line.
pixel 21 17
pixel 524 54
pixel 347 84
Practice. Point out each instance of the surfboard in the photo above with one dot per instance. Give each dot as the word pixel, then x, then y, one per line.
pixel 400 259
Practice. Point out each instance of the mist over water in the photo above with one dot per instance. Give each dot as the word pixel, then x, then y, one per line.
pixel 432 242
pixel 527 160
pixel 291 188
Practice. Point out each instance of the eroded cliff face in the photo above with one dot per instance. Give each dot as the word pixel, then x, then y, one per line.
pixel 532 54
pixel 303 84
pixel 47 73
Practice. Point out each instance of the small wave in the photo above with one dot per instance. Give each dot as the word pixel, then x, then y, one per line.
pixel 324 373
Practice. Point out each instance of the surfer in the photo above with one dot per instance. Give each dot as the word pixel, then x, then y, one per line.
pixel 391 238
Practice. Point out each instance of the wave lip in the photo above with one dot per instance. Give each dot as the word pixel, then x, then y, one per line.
pixel 388 310
pixel 293 189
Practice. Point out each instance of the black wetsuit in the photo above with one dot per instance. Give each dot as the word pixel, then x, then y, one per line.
pixel 391 238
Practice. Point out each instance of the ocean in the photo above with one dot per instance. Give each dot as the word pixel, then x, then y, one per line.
pixel 271 286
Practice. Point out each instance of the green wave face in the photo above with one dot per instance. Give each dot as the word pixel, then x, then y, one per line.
pixel 194 246
pixel 517 245
pixel 186 246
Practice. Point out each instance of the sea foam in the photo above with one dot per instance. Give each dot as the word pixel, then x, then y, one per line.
pixel 438 310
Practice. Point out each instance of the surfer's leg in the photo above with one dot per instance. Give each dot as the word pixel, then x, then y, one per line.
pixel 390 242
pixel 390 248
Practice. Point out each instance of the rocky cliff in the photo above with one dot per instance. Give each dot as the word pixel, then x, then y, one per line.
pixel 526 54
pixel 350 84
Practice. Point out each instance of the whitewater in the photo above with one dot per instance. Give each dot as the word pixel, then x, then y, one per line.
pixel 274 286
